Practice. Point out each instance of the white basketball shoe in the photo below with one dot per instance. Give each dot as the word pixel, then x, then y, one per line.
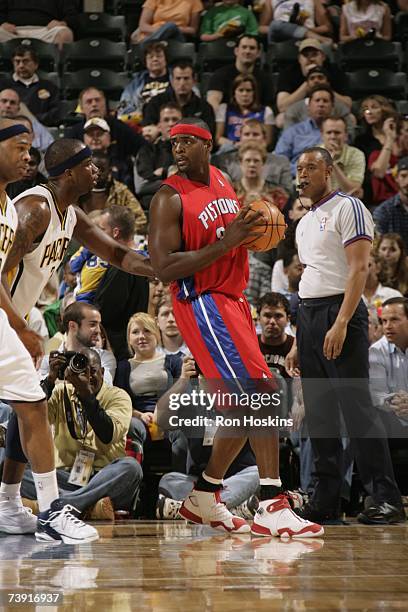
pixel 206 508
pixel 275 517
pixel 14 517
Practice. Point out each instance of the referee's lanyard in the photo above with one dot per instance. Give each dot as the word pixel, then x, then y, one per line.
pixel 80 417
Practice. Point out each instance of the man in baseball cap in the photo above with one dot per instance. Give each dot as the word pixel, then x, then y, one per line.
pixel 292 85
pixel 97 134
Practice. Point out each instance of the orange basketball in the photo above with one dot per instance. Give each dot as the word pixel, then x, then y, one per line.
pixel 273 230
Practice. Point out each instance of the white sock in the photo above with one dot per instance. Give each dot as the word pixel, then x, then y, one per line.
pixel 47 489
pixel 10 490
pixel 210 479
pixel 270 482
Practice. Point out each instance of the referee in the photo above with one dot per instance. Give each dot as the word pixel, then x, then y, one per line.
pixel 334 242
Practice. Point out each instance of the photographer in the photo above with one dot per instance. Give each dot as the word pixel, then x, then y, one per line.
pixel 81 323
pixel 90 422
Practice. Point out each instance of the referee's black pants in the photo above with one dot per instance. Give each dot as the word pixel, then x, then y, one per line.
pixel 330 392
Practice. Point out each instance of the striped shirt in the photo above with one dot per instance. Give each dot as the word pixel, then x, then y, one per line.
pixel 322 235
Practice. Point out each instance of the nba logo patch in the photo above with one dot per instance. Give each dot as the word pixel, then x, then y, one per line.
pixel 323 222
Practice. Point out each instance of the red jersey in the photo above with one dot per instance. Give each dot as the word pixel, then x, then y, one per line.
pixel 206 212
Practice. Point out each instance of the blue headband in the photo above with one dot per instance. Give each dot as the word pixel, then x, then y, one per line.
pixel 13 130
pixel 70 162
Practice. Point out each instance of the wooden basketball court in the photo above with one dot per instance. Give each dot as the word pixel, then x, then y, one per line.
pixel 172 566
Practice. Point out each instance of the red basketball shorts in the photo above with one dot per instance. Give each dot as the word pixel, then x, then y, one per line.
pixel 219 331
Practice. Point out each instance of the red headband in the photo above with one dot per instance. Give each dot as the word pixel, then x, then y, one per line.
pixel 190 130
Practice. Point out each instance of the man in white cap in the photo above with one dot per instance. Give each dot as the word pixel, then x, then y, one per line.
pixel 98 137
pixel 97 134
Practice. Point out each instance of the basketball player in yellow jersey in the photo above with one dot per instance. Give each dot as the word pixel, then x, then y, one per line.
pixel 47 220
pixel 18 379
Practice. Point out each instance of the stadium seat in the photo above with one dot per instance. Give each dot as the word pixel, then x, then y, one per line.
pixel 364 53
pixel 215 54
pixel 281 55
pixel 204 82
pixel 402 107
pixel 401 27
pixel 101 25
pixel 48 54
pixel 134 59
pixel 367 81
pixel 177 50
pixel 94 53
pixel 109 81
pixel 68 111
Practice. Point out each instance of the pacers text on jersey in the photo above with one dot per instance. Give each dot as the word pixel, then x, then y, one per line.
pixel 6 238
pixel 54 252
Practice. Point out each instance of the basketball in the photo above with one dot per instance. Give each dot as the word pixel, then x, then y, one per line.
pixel 273 230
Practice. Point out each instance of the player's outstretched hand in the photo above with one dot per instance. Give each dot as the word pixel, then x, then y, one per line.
pixel 243 226
pixel 33 343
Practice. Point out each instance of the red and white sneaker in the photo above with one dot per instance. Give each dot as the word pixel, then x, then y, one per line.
pixel 275 517
pixel 206 508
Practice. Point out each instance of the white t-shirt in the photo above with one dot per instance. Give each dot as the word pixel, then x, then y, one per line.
pixel 322 235
pixel 381 295
pixel 282 10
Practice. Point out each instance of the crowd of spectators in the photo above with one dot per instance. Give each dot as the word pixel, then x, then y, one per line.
pixel 261 122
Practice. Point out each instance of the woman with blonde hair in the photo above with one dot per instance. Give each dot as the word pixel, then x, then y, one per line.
pixel 148 373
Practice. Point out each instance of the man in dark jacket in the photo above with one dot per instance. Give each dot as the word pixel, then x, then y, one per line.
pixel 182 82
pixel 154 159
pixel 39 95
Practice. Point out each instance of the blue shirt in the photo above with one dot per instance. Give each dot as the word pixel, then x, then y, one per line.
pixel 392 217
pixel 388 371
pixel 295 139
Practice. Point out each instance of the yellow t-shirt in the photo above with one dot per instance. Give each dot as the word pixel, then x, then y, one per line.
pixel 116 403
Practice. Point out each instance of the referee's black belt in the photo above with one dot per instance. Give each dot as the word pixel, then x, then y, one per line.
pixel 321 301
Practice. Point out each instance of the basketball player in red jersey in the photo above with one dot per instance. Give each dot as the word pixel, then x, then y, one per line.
pixel 196 227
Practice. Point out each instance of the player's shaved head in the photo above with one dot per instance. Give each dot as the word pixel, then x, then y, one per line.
pixel 61 150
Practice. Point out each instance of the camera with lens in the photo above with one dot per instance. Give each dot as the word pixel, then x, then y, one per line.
pixel 78 363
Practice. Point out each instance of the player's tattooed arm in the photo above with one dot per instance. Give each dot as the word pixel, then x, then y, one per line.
pixel 33 219
pixel 119 255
